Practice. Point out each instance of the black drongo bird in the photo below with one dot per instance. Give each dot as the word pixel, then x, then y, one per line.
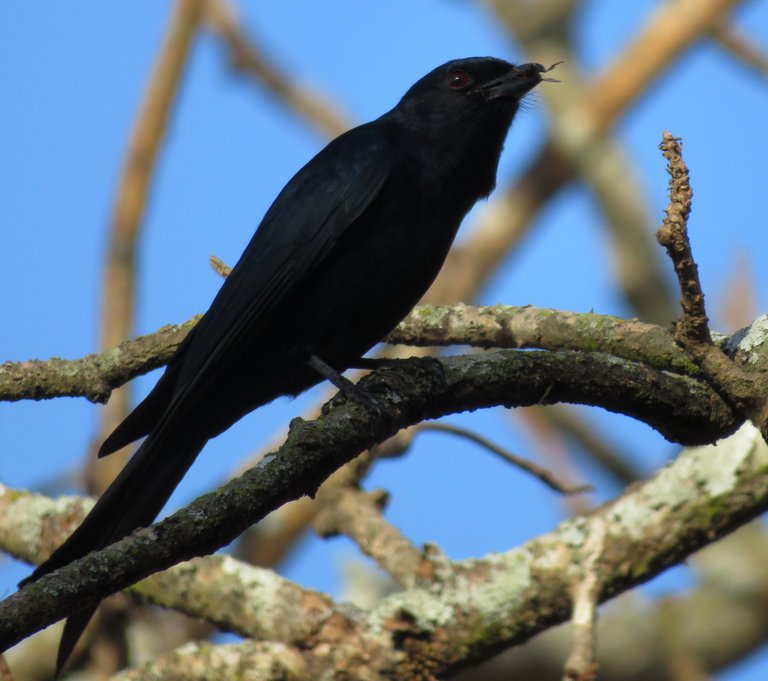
pixel 342 255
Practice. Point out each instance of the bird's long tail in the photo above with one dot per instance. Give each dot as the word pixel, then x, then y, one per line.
pixel 133 500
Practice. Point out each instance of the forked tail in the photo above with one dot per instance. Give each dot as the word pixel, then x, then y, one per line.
pixel 133 500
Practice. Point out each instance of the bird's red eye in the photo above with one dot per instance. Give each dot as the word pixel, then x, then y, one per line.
pixel 458 80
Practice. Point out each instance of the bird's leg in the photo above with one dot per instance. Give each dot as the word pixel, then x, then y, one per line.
pixel 345 386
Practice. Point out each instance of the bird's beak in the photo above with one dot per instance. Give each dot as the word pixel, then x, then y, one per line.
pixel 517 81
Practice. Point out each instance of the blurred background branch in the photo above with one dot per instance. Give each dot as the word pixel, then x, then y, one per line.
pixel 130 205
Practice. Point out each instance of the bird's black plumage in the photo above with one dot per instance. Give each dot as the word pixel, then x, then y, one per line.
pixel 345 251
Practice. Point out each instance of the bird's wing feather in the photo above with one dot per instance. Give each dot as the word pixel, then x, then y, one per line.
pixel 306 219
pixel 300 228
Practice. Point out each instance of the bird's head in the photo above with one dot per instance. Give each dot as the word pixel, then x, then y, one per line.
pixel 467 88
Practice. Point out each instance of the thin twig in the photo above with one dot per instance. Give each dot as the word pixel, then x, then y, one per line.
pixel 219 266
pixel 552 448
pixel 673 235
pixel 528 466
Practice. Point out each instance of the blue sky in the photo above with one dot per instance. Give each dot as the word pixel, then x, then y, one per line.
pixel 72 75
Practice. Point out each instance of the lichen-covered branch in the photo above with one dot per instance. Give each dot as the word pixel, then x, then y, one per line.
pixel 418 389
pixel 465 610
pixel 241 598
pixel 581 665
pixel 95 376
pixel 470 609
pixel 237 597
pixel 33 525
pixel 508 326
pixel 201 661
pixel 345 509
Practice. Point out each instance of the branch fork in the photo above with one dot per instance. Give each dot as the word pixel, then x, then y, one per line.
pixel 746 391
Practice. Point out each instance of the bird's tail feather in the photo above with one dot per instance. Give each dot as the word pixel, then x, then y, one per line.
pixel 133 500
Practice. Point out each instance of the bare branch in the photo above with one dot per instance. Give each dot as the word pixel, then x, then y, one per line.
pixel 747 391
pixel 358 515
pixel 673 235
pixel 535 470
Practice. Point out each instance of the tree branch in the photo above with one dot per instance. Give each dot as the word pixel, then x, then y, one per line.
pixel 502 326
pixel 673 235
pixel 412 392
pixel 201 661
pixel 347 510
pixel 473 608
pixel 246 57
pixel 746 391
pixel 94 376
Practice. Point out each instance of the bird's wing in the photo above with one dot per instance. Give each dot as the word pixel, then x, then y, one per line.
pixel 301 227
